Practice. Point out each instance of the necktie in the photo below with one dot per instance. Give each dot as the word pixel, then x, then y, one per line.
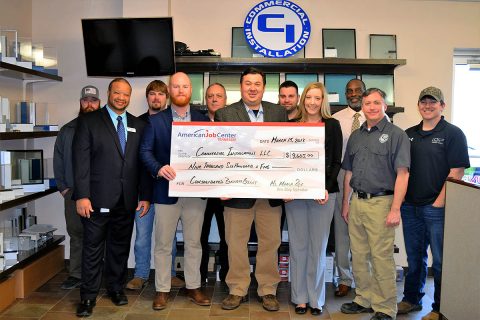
pixel 121 133
pixel 356 122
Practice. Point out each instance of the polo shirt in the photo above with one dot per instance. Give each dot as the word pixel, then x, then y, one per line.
pixel 433 154
pixel 374 156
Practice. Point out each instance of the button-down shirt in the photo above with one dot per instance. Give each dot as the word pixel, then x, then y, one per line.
pixel 252 116
pixel 178 118
pixel 345 117
pixel 114 116
pixel 374 155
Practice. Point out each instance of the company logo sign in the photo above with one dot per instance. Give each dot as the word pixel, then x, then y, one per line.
pixel 206 134
pixel 277 29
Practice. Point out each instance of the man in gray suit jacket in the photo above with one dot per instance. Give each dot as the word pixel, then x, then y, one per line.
pixel 239 214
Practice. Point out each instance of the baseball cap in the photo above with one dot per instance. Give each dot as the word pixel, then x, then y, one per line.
pixel 432 92
pixel 89 91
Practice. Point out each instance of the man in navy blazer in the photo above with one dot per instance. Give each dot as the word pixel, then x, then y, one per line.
pixel 239 214
pixel 108 183
pixel 155 154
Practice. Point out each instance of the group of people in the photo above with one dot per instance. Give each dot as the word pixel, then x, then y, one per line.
pixel 113 170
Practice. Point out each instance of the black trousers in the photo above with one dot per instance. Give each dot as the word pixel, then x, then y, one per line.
pixel 105 234
pixel 214 207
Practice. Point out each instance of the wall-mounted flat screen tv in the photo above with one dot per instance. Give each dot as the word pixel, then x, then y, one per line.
pixel 129 47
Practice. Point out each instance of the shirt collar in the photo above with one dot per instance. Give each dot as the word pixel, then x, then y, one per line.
pixel 176 115
pixel 380 125
pixel 260 110
pixel 352 112
pixel 114 115
pixel 440 125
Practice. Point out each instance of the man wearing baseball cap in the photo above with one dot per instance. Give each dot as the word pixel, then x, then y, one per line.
pixel 63 170
pixel 438 150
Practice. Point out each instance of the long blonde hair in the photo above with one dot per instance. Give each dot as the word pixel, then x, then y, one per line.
pixel 325 107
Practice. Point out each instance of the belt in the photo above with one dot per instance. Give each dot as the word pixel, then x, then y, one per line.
pixel 366 195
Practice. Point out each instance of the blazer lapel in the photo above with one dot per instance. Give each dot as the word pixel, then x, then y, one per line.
pixel 241 112
pixel 111 128
pixel 169 120
pixel 266 112
pixel 130 135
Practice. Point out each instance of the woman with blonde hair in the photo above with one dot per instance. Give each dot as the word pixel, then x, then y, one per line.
pixel 309 220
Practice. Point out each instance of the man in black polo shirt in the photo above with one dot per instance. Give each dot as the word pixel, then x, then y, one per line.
pixel 376 165
pixel 438 150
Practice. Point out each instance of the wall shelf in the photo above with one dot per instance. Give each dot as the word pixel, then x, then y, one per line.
pixel 20 73
pixel 27 135
pixel 288 65
pixel 26 257
pixel 26 198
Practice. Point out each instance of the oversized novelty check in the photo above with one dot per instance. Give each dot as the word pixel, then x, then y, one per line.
pixel 248 160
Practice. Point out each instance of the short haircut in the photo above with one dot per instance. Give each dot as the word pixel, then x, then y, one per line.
pixel 364 88
pixel 288 84
pixel 252 70
pixel 157 85
pixel 216 84
pixel 118 80
pixel 373 90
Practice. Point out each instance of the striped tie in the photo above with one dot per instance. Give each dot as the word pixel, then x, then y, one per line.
pixel 356 122
pixel 121 134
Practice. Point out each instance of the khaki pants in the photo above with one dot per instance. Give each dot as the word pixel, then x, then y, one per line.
pixel 190 211
pixel 237 232
pixel 372 254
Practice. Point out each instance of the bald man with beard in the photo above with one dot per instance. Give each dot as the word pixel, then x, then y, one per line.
pixel 155 154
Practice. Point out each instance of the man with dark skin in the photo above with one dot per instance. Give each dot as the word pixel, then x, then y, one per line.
pixel 352 113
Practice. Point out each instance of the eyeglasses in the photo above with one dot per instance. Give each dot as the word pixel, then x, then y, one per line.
pixel 428 102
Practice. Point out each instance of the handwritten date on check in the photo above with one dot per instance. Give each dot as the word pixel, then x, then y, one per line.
pixel 248 160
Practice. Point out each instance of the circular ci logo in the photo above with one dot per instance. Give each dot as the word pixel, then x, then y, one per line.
pixel 277 29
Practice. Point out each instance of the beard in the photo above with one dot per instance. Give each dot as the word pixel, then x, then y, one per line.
pixel 180 101
pixel 86 110
pixel 357 106
pixel 156 106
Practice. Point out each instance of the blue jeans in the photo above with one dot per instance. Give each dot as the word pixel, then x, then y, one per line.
pixel 143 244
pixel 422 227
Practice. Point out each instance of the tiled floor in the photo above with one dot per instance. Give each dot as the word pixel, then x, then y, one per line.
pixel 50 303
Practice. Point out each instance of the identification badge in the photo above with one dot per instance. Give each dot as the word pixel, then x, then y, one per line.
pixel 104 210
pixel 131 129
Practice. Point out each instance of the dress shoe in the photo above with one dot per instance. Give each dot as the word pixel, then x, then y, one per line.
pixel 300 310
pixel 381 316
pixel 431 316
pixel 404 307
pixel 233 301
pixel 269 302
pixel 118 298
pixel 85 308
pixel 342 290
pixel 316 311
pixel 136 284
pixel 177 282
pixel 198 297
pixel 160 301
pixel 353 308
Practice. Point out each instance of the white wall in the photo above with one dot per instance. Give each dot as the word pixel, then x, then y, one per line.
pixel 427 32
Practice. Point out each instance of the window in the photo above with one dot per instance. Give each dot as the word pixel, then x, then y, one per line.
pixel 197 87
pixel 231 82
pixel 465 107
pixel 302 79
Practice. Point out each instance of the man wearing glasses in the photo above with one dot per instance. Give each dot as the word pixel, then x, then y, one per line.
pixel 438 150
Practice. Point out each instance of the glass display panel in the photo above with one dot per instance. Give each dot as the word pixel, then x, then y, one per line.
pixel 383 46
pixel 336 83
pixel 339 41
pixel 383 82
